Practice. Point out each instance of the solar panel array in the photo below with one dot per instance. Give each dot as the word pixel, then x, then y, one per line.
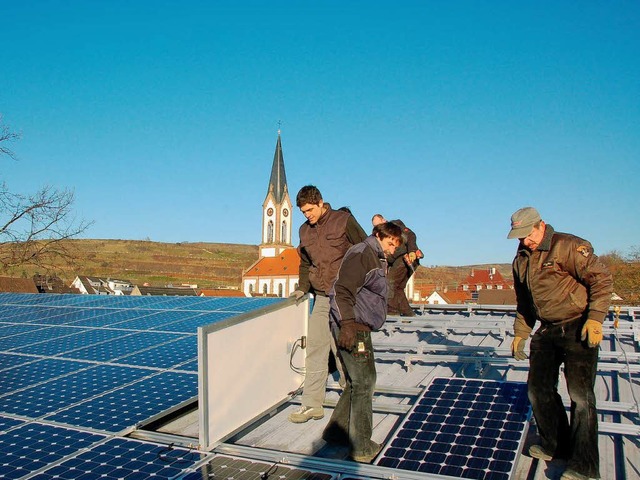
pixel 462 428
pixel 78 370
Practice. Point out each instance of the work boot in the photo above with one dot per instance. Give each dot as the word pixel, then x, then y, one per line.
pixel 573 475
pixel 367 457
pixel 304 414
pixel 536 451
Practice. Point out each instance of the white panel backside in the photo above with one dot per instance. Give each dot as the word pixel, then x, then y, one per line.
pixel 248 369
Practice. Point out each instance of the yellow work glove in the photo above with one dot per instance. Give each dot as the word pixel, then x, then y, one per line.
pixel 592 332
pixel 517 348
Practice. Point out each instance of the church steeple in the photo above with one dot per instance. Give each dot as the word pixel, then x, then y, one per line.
pixel 276 209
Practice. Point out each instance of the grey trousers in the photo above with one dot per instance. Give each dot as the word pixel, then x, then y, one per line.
pixel 319 343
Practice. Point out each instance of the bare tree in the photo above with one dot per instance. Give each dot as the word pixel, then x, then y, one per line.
pixel 33 228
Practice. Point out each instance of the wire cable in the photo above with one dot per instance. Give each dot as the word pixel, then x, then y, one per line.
pixel 616 310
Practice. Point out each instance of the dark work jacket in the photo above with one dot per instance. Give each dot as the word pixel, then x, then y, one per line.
pixel 561 280
pixel 359 293
pixel 322 247
pixel 409 244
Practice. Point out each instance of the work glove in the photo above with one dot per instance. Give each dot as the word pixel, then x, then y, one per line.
pixel 592 332
pixel 517 348
pixel 347 336
pixel 297 294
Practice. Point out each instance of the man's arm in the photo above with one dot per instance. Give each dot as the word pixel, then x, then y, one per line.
pixel 355 233
pixel 303 274
pixel 589 270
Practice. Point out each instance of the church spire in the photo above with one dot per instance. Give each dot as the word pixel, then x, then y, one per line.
pixel 278 180
pixel 276 209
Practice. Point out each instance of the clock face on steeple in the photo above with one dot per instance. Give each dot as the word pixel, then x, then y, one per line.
pixel 285 212
pixel 270 211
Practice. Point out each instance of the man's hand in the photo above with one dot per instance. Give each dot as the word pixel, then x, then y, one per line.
pixel 517 348
pixel 297 294
pixel 592 332
pixel 347 336
pixel 410 257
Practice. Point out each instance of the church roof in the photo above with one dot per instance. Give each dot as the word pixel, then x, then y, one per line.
pixel 285 263
pixel 278 180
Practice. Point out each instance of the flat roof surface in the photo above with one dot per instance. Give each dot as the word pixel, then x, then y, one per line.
pixel 100 385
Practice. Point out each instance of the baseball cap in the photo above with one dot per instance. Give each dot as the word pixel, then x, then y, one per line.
pixel 522 222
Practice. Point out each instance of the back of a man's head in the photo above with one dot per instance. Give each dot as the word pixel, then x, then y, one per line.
pixel 308 194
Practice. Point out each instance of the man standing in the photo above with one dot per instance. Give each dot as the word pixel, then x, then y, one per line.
pixel 358 306
pixel 561 283
pixel 402 264
pixel 324 239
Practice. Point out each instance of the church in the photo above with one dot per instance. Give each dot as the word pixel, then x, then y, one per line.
pixel 276 272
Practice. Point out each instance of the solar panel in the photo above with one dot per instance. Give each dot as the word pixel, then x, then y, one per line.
pixel 164 356
pixel 190 325
pixel 462 428
pixel 125 344
pixel 157 319
pixel 7 423
pixel 14 342
pixel 67 343
pixel 36 372
pixel 60 393
pixel 128 406
pixel 124 458
pixel 229 468
pixel 32 446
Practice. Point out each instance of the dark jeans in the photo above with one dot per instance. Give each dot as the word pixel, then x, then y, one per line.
pixel 352 419
pixel 397 278
pixel 552 346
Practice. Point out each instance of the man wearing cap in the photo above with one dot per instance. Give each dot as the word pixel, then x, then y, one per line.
pixel 561 283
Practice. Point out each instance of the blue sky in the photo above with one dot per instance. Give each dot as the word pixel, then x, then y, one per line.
pixel 162 116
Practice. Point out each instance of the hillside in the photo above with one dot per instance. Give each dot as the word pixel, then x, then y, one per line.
pixel 212 265
pixel 206 264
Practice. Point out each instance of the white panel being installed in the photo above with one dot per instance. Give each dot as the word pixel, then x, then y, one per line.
pixel 244 367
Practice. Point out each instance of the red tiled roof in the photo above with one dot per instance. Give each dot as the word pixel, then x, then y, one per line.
pixel 453 297
pixel 220 292
pixel 286 263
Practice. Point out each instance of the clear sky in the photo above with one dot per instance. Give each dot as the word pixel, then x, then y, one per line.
pixel 162 116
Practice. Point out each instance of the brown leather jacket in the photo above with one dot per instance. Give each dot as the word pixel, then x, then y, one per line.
pixel 559 281
pixel 322 247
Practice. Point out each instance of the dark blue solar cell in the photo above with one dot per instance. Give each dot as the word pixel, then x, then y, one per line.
pixel 492 426
pixel 464 440
pixel 389 462
pixel 499 466
pixel 429 467
pixel 406 433
pixel 487 442
pixel 474 422
pixel 483 407
pixel 440 410
pixel 462 450
pixel 435 457
pixel 476 462
pixel 415 455
pixel 513 435
pixel 420 445
pixel 440 447
pixel 482 452
pixel 426 436
pixel 469 431
pixel 445 438
pixel 37 372
pixel 401 442
pixel 452 470
pixel 451 429
pixel 394 452
pixel 467 397
pixel 477 413
pixel 6 423
pixel 409 465
pixel 419 417
pixel 438 419
pixel 411 425
pixel 506 450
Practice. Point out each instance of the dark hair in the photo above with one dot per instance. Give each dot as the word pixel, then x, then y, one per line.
pixel 308 194
pixel 388 229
